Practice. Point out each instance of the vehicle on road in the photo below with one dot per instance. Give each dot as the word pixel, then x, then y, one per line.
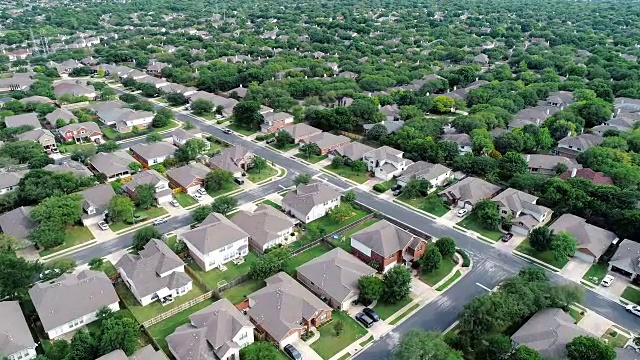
pixel 292 352
pixel 175 203
pixel 197 196
pixel 103 225
pixel 365 320
pixel 202 191
pixel 159 221
pixel 227 131
pixel 606 282
pixel 634 309
pixel 238 181
pixel 372 314
pixel 506 237
pixel 462 212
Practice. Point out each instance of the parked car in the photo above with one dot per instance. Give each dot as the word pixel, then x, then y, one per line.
pixel 50 273
pixel 397 192
pixel 227 131
pixel 372 314
pixel 271 140
pixel 606 282
pixel 103 225
pixel 396 187
pixel 175 203
pixel 364 320
pixel 362 302
pixel 197 196
pixel 292 352
pixel 506 237
pixel 634 309
pixel 159 221
pixel 462 212
pixel 202 191
pixel 238 181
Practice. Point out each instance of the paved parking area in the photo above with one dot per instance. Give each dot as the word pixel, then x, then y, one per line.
pixel 575 269
pixel 305 350
pixel 511 244
pixel 595 323
pixel 452 216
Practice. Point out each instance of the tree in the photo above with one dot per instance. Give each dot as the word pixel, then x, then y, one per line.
pixel 16 276
pixel 82 346
pixel 190 150
pixel 224 204
pixel 135 166
pixel 129 98
pixel 563 245
pixel 48 235
pixel 422 345
pixel 217 180
pixel 338 327
pixel 162 118
pixel 58 350
pixel 283 138
pixel 341 213
pixel 259 350
pixel 447 246
pixel 416 188
pixel 153 137
pixel 145 196
pixel 201 106
pixel 397 284
pixel 349 196
pixel 118 333
pixel 302 179
pixel 201 213
pixel 431 260
pixel 60 209
pixel 120 208
pixel 269 264
pixel 371 288
pixel 246 114
pixel 310 149
pixel 359 166
pixel 22 151
pixel 525 353
pixel 143 236
pixel 107 147
pixel 498 347
pixel 540 238
pixel 511 164
pixel 39 162
pixel 377 132
pixel 589 348
pixel 488 214
pixel 176 99
pixel 443 104
pixel 337 162
pixel 258 164
pixel 107 93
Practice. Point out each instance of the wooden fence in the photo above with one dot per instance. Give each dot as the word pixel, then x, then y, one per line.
pixel 182 307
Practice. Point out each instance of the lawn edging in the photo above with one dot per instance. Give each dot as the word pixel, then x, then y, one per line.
pixel 533 260
pixel 69 250
pixel 412 208
pixel 457 275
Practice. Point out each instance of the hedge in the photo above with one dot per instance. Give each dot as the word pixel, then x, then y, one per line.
pixel 265 136
pixel 466 261
pixel 381 187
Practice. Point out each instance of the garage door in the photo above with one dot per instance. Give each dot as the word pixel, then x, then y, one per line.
pixel 519 230
pixel 389 266
pixel 583 256
pixel 289 339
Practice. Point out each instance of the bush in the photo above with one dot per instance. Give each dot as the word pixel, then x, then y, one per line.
pixel 222 121
pixel 265 137
pixel 381 187
pixel 466 261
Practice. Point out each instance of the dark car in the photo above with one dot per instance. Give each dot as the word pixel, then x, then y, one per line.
pixel 372 314
pixel 238 181
pixel 396 187
pixel 364 320
pixel 397 192
pixel 292 352
pixel 506 237
pixel 362 302
pixel 272 140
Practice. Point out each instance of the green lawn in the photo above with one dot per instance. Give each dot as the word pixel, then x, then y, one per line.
pixel 74 235
pixel 256 177
pixel 404 314
pixel 446 267
pixel 107 268
pixel 207 116
pixel 329 225
pixel 346 172
pixel 143 215
pixel 111 134
pixel 386 310
pixel 271 203
pixel 241 130
pixel 227 188
pixel 471 223
pixel 161 330
pixel 312 159
pixel 171 242
pixel 631 294
pixel 238 293
pixel 615 338
pixel 437 208
pixel 546 256
pixel 184 199
pixel 304 257
pixel 596 273
pixel 345 240
pixel 450 281
pixel 213 277
pixel 69 149
pixel 329 344
pixel 388 184
pixel 144 313
pixel 286 147
pixel 576 314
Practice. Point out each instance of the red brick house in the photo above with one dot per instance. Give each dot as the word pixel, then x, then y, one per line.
pixel 327 141
pixel 81 132
pixel 274 121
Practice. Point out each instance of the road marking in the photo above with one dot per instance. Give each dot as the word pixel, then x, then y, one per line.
pixel 484 287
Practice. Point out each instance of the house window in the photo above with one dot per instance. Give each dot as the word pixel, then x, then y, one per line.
pixel 243 336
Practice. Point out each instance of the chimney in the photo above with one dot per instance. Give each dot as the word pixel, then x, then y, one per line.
pixel 618 113
pixel 476 79
pixel 528 158
pixel 573 172
pixel 455 87
pixel 548 111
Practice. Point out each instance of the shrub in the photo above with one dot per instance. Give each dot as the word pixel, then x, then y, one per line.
pixel 466 261
pixel 381 187
pixel 220 121
pixel 265 136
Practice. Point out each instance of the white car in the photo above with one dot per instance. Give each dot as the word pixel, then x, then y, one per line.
pixel 175 203
pixel 202 191
pixel 103 225
pixel 197 196
pixel 462 212
pixel 634 309
pixel 159 221
pixel 606 282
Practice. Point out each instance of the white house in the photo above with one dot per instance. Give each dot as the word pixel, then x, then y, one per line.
pixel 386 162
pixel 215 242
pixel 522 207
pixel 266 226
pixel 17 342
pixel 310 202
pixel 156 273
pixel 436 174
pixel 163 193
pixel 180 137
pixel 153 153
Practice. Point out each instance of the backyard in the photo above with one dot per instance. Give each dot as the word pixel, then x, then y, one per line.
pixel 471 222
pixel 256 177
pixel 347 172
pixel 213 277
pixel 74 235
pixel 329 225
pixel 596 273
pixel 241 130
pixel 431 204
pixel 545 256
pixel 184 199
pixel 140 215
pixel 312 159
pixel 304 257
pixel 385 310
pixel 111 134
pixel 166 327
pixel 329 344
pixel 70 149
pixel 107 268
pixel 344 241
pixel 434 277
pixel 238 293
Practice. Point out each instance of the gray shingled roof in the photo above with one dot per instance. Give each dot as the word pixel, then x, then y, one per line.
pixel 230 159
pixel 517 201
pixel 88 291
pixel 71 166
pixel 148 177
pixel 215 232
pixel 301 130
pixel 9 179
pixel 305 197
pixel 627 256
pixel 42 136
pixel 385 153
pixel 336 273
pixel 423 170
pixel 264 224
pixel 17 223
pixel 185 175
pixel 282 304
pixel 209 333
pixel 63 114
pixel 112 163
pixel 590 237
pixel 471 189
pixel 627 353
pixel 154 150
pixel 353 151
pixel 327 140
pixel 460 139
pixel 384 238
pixel 144 270
pixel 583 141
pixel 14 331
pixel 90 127
pixel 30 119
pixel 98 197
pixel 391 126
pixel 146 353
pixel 547 162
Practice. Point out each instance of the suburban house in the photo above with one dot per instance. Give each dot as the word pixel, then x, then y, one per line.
pixel 60 114
pixel 36 99
pixel 153 153
pixel 189 178
pixel 531 116
pixel 156 273
pixel 548 332
pixel 327 141
pixel 467 192
pixel 387 245
pixel 463 140
pixel 155 68
pixel 274 121
pixel 391 126
pixel 178 88
pixel 626 104
pixel 89 291
pixel 463 92
pixel 72 89
pixel 436 174
pixel 310 202
pixel 180 137
pixel 240 92
pixel 17 82
pixel 386 162
pixel 30 119
pixel 146 353
pixel 235 159
pixel 572 146
pixel 71 166
pixel 544 164
pixel 227 103
pixel 113 165
pixel 17 342
pixel 218 331
pixel 560 99
pixel 522 208
pixel 351 152
pixel 17 223
pixel 10 181
pixel 163 193
pixel 95 201
pixel 215 242
pixel 125 119
pixel 595 177
pixel 592 240
pixel 333 277
pixel 284 309
pixel 266 226
pixel 626 259
pixel 157 82
pixel 481 59
pixel 618 123
pixel 43 137
pixel 390 112
pixel 81 132
pixel 301 132
pixel 106 105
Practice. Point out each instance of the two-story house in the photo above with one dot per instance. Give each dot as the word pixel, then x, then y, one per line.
pixel 266 226
pixel 386 162
pixel 387 245
pixel 17 342
pixel 81 132
pixel 89 291
pixel 522 208
pixel 218 331
pixel 311 201
pixel 95 201
pixel 163 193
pixel 153 153
pixel 125 119
pixel 436 174
pixel 274 121
pixel 467 192
pixel 236 159
pixel 155 274
pixel 113 165
pixel 189 178
pixel 43 137
pixel 215 242
pixel 180 137
pixel 560 99
pixel 572 146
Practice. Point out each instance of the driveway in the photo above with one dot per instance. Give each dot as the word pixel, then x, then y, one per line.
pixel 99 234
pixel 575 269
pixel 305 350
pixel 511 244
